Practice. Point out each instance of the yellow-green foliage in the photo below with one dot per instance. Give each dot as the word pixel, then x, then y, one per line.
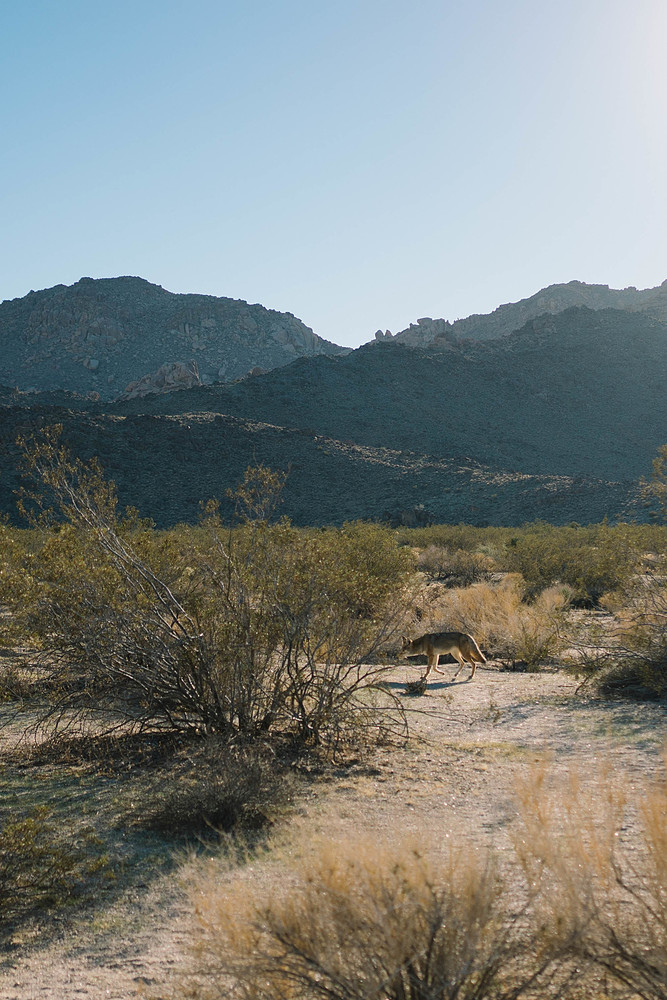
pixel 456 536
pixel 590 560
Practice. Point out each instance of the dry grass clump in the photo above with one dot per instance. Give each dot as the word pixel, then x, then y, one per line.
pixel 506 626
pixel 366 921
pixel 599 861
pixel 362 920
pixel 416 688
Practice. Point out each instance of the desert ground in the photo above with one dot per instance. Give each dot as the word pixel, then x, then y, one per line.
pixel 454 781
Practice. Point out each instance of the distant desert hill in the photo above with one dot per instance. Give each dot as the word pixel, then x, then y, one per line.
pixel 581 393
pixel 556 420
pixel 553 299
pixel 104 334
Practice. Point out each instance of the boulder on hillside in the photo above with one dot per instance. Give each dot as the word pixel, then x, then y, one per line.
pixel 167 378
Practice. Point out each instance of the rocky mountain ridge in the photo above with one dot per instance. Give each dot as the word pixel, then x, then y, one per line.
pixel 555 420
pixel 514 315
pixel 103 334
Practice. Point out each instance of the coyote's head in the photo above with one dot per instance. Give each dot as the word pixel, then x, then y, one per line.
pixel 405 643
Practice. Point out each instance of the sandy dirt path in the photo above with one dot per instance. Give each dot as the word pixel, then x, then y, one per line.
pixel 455 779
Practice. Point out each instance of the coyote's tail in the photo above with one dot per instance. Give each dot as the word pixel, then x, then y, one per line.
pixel 477 650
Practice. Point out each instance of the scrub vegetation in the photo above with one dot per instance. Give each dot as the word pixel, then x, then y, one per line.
pixel 216 667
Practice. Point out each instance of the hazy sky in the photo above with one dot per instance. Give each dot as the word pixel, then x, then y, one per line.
pixel 360 163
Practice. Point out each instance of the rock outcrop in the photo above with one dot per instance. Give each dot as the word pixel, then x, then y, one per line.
pixel 167 378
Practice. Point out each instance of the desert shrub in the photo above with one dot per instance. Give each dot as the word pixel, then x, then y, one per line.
pixel 40 866
pixel 458 567
pixel 505 625
pixel 212 789
pixel 455 536
pixel 364 921
pixel 234 631
pixel 598 858
pixel 589 560
pixel 628 655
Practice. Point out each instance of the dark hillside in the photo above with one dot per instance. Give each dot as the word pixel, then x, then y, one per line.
pixel 578 394
pixel 167 465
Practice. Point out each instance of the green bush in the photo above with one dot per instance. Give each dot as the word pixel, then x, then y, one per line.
pixel 39 866
pixel 454 536
pixel 591 561
pixel 458 567
pixel 236 631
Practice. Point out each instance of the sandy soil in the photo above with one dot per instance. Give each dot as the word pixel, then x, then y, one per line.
pixel 471 742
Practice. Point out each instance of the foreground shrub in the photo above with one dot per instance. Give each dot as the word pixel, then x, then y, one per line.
pixel 235 631
pixel 363 921
pixel 599 859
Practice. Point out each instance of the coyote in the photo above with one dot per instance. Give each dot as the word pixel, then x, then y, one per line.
pixel 461 646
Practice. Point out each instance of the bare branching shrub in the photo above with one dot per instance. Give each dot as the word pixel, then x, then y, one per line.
pixel 364 921
pixel 641 635
pixel 507 627
pixel 236 631
pixel 457 567
pixel 628 654
pixel 211 789
pixel 598 858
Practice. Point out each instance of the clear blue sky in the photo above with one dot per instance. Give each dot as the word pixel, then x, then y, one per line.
pixel 360 163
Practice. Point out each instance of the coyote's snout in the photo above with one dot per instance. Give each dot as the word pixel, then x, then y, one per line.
pixel 461 646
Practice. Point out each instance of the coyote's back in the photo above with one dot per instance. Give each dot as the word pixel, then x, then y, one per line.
pixel 460 645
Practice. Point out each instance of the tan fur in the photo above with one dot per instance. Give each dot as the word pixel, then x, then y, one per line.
pixel 459 644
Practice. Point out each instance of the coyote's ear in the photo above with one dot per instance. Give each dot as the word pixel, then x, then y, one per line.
pixel 405 640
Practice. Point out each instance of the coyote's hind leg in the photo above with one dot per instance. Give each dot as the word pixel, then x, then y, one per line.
pixel 459 656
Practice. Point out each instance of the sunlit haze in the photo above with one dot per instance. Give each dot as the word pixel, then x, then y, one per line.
pixel 360 163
